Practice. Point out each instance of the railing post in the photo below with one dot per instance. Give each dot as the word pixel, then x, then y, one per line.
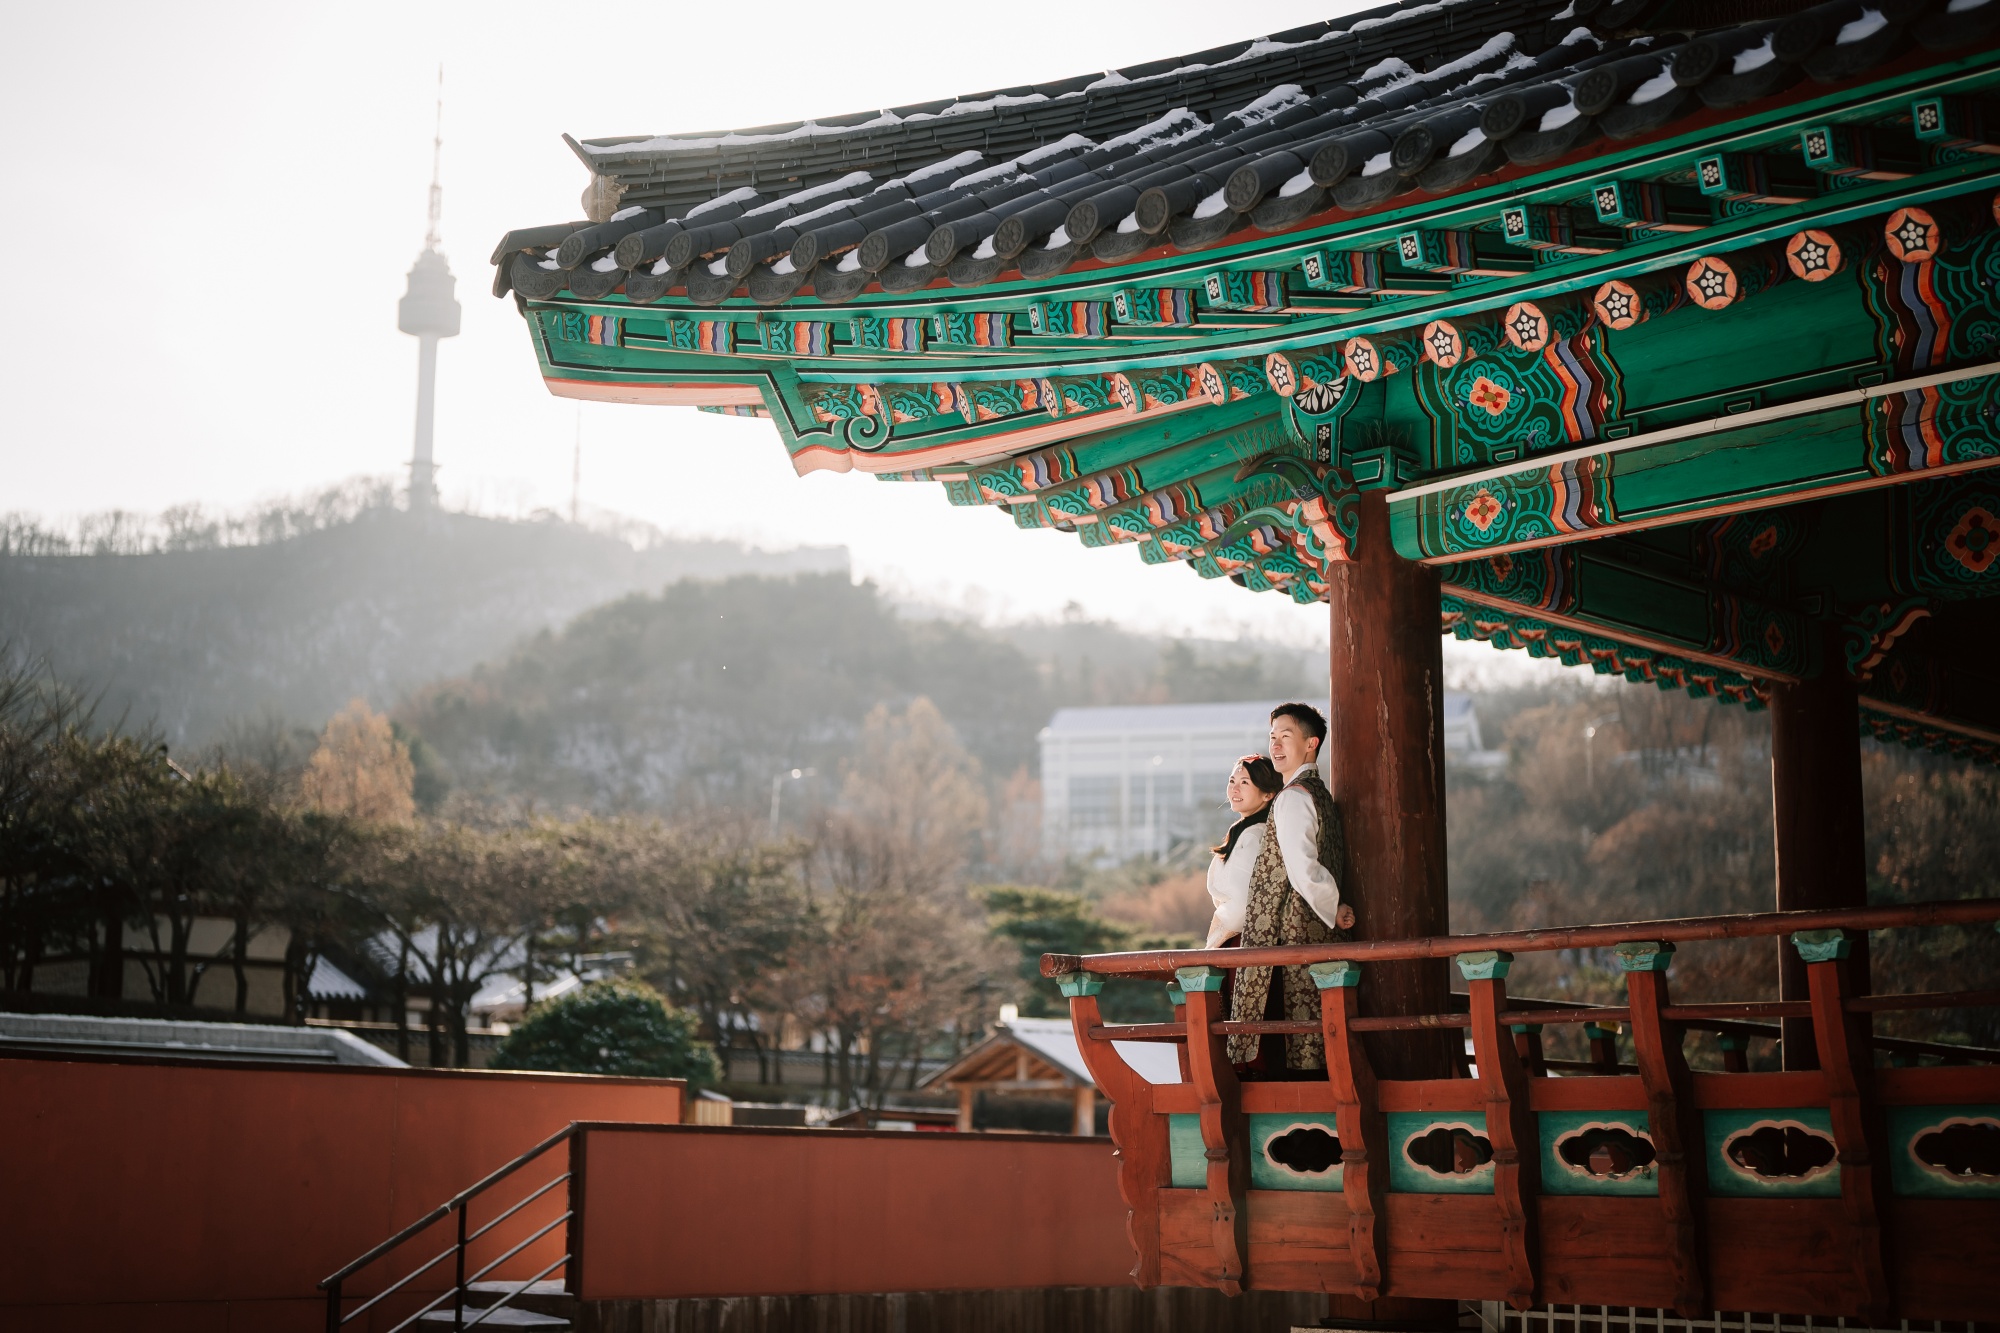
pixel 1735 1053
pixel 1510 1124
pixel 1225 1136
pixel 1671 1119
pixel 1178 999
pixel 1847 1062
pixel 578 1189
pixel 1528 1045
pixel 333 1306
pixel 1138 1135
pixel 458 1279
pixel 1603 1039
pixel 1364 1134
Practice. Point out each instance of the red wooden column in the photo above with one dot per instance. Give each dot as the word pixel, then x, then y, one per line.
pixel 1817 821
pixel 1385 757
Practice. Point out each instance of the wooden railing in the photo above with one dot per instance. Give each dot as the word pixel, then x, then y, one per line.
pixel 1228 1235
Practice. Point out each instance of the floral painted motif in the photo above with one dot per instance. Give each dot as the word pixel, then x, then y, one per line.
pixel 1711 283
pixel 1913 235
pixel 1617 305
pixel 1502 402
pixel 1526 326
pixel 1493 398
pixel 1975 542
pixel 1442 344
pixel 1774 638
pixel 1482 509
pixel 1813 256
pixel 1766 538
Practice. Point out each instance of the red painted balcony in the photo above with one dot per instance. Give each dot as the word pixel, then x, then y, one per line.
pixel 1849 1189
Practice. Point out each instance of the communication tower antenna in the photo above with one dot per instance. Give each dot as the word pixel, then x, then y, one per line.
pixel 429 310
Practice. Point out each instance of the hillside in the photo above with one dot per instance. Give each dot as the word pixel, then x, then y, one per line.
pixel 705 692
pixel 374 606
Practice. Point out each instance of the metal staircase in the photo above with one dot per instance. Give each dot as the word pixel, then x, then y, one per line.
pixel 511 1226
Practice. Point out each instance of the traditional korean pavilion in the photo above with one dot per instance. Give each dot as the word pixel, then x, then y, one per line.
pixel 1657 336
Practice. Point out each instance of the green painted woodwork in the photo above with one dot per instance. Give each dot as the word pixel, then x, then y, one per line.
pixel 1077 984
pixel 1822 946
pixel 1335 974
pixel 1507 628
pixel 1698 476
pixel 1730 1178
pixel 1501 403
pixel 1489 965
pixel 1267 1172
pixel 1189 1161
pixel 1645 956
pixel 1561 1176
pixel 1406 1176
pixel 1187 1154
pixel 1118 403
pixel 1912 1176
pixel 1945 539
pixel 1194 979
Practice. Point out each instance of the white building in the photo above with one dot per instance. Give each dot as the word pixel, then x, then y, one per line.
pixel 1147 780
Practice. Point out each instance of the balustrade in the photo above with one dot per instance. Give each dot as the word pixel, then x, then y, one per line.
pixel 1847 1189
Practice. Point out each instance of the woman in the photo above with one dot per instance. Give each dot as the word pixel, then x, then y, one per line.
pixel 1253 783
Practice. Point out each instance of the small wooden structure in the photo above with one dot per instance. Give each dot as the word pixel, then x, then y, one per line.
pixel 1038 1057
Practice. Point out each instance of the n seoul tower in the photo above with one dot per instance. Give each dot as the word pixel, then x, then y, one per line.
pixel 429 310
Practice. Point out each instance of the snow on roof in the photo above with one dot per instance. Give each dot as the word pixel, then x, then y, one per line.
pixel 1055 1041
pixel 328 982
pixel 185 1039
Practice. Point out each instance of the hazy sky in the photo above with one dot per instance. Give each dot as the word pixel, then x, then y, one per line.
pixel 211 207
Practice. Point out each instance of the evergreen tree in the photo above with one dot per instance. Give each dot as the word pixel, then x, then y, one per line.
pixel 610 1027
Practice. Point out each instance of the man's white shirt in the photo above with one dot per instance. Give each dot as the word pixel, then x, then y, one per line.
pixel 1295 819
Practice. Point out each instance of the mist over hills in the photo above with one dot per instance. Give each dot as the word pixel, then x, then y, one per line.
pixel 556 665
pixel 374 605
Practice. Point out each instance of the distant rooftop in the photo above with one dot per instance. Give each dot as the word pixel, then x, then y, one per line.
pixel 82 1034
pixel 1199 717
pixel 1166 717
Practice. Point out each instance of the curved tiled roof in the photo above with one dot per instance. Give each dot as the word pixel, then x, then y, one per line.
pixel 1331 119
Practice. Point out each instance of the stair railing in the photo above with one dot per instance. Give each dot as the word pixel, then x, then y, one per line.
pixel 459 1206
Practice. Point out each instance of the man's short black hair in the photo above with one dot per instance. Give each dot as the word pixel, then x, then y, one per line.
pixel 1310 719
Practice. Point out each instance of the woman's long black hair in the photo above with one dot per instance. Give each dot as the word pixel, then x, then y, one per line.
pixel 1264 777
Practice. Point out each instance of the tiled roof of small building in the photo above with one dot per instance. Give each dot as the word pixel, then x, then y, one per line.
pixel 1337 117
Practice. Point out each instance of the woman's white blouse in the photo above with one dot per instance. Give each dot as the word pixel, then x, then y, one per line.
pixel 1229 885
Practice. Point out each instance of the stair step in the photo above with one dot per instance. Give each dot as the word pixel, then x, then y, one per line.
pixel 544 1297
pixel 505 1317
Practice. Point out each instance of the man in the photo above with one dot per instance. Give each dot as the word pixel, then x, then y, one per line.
pixel 1294 899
